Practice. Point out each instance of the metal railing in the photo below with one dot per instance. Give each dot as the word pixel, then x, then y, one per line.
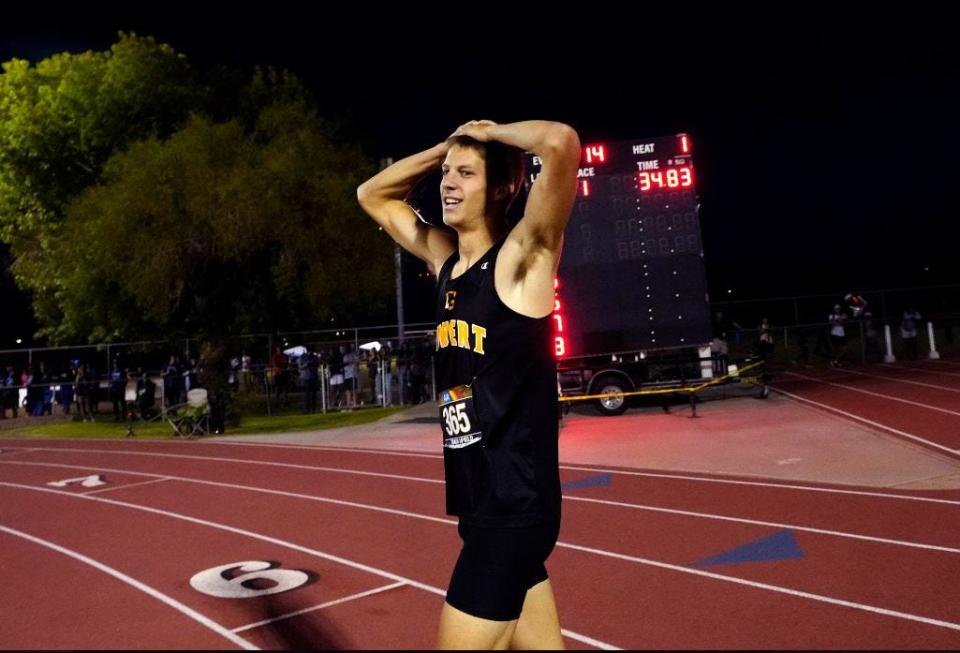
pixel 812 344
pixel 800 337
pixel 380 371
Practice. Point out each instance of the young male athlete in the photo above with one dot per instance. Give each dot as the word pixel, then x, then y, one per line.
pixel 496 372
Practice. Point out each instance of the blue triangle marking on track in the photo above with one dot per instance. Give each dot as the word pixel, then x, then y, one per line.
pixel 600 480
pixel 780 546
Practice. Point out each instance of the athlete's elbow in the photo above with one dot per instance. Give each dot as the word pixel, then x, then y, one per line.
pixel 563 139
pixel 364 193
pixel 369 196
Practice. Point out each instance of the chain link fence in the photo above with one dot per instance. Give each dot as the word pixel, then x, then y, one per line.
pixel 310 371
pixel 811 345
pixel 356 368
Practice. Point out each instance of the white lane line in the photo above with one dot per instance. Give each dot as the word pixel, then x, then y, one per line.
pixel 237 531
pixel 878 425
pixel 874 394
pixel 566 497
pixel 754 522
pixel 124 487
pixel 899 380
pixel 320 447
pixel 240 461
pixel 589 641
pixel 921 369
pixel 234 486
pixel 328 604
pixel 133 582
pixel 289 545
pixel 773 588
pixel 15 450
pixel 435 590
pixel 681 477
pixel 678 477
pixel 779 486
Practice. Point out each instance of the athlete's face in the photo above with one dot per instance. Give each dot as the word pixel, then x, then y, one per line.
pixel 463 188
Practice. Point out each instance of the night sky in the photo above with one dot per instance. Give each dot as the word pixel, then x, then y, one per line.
pixel 825 150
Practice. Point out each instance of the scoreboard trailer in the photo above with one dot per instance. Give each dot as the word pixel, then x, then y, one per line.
pixel 631 307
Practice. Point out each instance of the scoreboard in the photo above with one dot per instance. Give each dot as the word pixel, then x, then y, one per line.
pixel 632 275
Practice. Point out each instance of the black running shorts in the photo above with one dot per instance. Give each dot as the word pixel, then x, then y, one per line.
pixel 497 566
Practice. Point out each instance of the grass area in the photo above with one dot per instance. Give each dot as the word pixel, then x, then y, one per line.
pixel 162 430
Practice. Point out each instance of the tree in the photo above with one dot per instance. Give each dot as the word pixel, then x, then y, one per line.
pixel 142 202
pixel 60 121
pixel 218 231
pixel 63 118
pixel 137 206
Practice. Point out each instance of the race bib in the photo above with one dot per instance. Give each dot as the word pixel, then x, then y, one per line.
pixel 458 418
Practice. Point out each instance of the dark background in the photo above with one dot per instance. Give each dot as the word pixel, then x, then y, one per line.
pixel 825 147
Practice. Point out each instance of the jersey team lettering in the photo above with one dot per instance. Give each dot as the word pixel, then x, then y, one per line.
pixel 457 333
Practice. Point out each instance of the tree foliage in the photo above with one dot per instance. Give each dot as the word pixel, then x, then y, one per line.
pixel 142 200
pixel 218 231
pixel 63 118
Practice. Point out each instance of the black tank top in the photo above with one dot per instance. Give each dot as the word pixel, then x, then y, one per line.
pixel 502 467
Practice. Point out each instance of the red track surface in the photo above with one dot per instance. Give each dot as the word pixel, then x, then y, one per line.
pixel 891 396
pixel 879 568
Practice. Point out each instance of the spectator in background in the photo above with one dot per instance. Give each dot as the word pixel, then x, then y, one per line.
pixel 233 378
pixel 838 336
pixel 44 393
pixel 130 394
pixel 171 381
pixel 856 304
pixel 351 375
pixel 146 395
pixel 82 391
pixel 10 397
pixel 373 365
pixel 246 372
pixel 65 394
pixel 718 352
pixel 404 361
pixel 276 377
pixel 909 326
pixel 117 383
pixel 309 377
pixel 336 375
pixel 190 375
pixel 765 347
pixel 385 381
pixel 26 381
pixel 719 347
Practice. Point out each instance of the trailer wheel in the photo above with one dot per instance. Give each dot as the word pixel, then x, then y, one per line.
pixel 613 405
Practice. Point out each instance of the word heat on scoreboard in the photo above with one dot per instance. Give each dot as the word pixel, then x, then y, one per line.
pixel 632 275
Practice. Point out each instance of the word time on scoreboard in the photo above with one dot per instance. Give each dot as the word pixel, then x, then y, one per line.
pixel 632 275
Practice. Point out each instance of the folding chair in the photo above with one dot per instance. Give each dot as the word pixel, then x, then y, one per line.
pixel 193 417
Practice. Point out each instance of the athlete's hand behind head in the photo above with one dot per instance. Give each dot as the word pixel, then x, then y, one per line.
pixel 475 129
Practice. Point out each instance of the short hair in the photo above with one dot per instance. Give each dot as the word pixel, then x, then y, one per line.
pixel 504 169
